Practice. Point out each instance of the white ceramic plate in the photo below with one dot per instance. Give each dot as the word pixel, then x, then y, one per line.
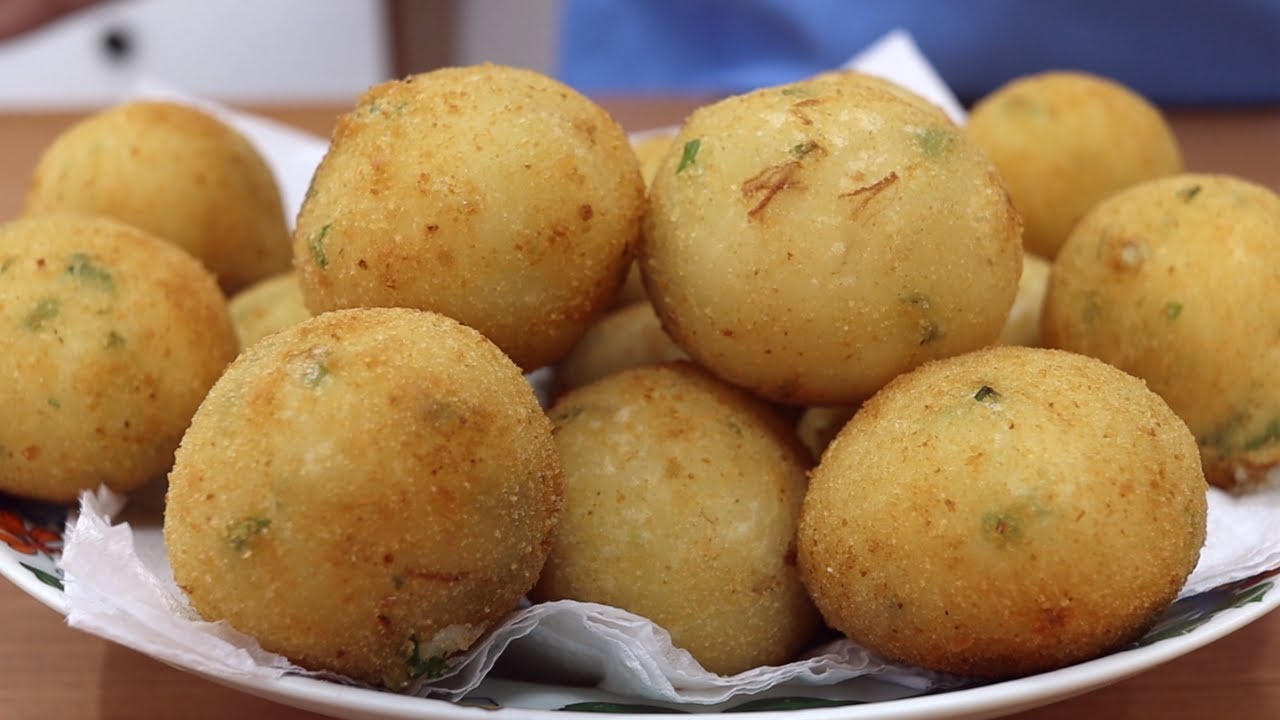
pixel 32 541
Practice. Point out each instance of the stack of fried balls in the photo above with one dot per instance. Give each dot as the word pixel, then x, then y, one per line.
pixel 823 361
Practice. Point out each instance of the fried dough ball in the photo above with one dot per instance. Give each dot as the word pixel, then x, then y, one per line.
pixel 177 172
pixel 627 337
pixel 365 492
pixel 1175 280
pixel 681 496
pixel 1003 512
pixel 1023 324
pixel 649 148
pixel 811 241
pixel 267 306
pixel 858 78
pixel 491 194
pixel 1064 141
pixel 111 338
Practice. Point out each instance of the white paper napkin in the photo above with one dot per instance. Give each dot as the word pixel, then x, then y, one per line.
pixel 1243 536
pixel 897 58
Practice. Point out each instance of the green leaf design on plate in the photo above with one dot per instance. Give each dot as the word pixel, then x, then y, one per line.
pixel 1190 613
pixel 608 707
pixel 44 577
pixel 790 703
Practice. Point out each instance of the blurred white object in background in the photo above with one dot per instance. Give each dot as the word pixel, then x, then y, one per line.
pixel 243 51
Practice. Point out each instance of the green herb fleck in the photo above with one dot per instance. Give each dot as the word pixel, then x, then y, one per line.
pixel 55 403
pixel 986 393
pixel 1237 434
pixel 43 312
pixel 83 268
pixel 8 263
pixel 114 340
pixel 309 366
pixel 315 374
pixel 1172 310
pixel 431 667
pixel 569 413
pixel 397 581
pixel 376 107
pixel 930 330
pixel 1016 103
pixel 1221 437
pixel 933 141
pixel 690 154
pixel 1268 436
pixel 804 148
pixel 1092 307
pixel 1001 529
pixel 1189 192
pixel 241 534
pixel 316 243
pixel 798 91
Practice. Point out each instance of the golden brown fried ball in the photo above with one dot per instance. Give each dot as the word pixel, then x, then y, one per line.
pixel 1064 141
pixel 1023 324
pixel 857 78
pixel 267 306
pixel 650 148
pixel 627 337
pixel 1177 280
pixel 112 337
pixel 811 241
pixel 177 172
pixel 1003 512
pixel 681 496
pixel 365 492
pixel 494 195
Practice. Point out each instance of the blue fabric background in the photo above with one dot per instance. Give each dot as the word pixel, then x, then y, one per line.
pixel 1174 52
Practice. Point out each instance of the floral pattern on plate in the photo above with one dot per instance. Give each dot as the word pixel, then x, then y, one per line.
pixel 32 532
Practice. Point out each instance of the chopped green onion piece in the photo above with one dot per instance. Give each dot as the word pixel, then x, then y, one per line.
pixel 690 154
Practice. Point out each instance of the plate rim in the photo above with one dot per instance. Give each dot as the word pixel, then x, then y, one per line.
pixel 984 701
pixel 971 703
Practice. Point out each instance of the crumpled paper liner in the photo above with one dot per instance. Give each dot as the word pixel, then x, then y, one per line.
pixel 1243 536
pixel 119 585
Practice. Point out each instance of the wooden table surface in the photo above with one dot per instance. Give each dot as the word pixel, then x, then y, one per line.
pixel 48 670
